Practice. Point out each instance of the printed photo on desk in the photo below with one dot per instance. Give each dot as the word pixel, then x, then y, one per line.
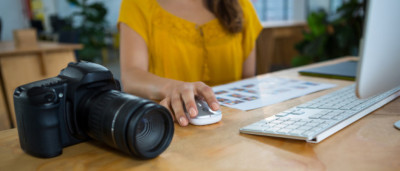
pixel 258 92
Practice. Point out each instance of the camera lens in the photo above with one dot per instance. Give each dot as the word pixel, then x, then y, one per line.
pixel 131 124
pixel 149 129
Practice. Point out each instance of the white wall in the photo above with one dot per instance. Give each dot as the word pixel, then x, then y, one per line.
pixel 299 10
pixel 272 10
pixel 113 7
pixel 12 16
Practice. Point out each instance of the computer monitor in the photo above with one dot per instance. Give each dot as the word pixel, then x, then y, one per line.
pixel 379 65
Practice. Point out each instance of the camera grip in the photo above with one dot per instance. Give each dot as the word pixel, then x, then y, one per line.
pixel 38 122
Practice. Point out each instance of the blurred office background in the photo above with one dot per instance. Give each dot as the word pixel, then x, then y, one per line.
pixel 295 32
pixel 93 24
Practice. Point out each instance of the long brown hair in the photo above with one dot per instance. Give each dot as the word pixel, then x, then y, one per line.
pixel 228 12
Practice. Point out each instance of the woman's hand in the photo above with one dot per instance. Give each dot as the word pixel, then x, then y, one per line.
pixel 182 94
pixel 136 79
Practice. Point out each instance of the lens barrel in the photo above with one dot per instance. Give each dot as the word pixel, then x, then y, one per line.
pixel 134 125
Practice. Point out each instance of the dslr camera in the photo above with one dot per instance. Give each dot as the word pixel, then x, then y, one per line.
pixel 85 102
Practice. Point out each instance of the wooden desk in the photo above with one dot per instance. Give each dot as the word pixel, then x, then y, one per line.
pixel 371 143
pixel 24 65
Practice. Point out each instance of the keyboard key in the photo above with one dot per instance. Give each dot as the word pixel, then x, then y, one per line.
pixel 297 132
pixel 316 116
pixel 281 114
pixel 266 125
pixel 289 122
pixel 336 112
pixel 284 119
pixel 299 112
pixel 318 121
pixel 274 129
pixel 276 122
pixel 292 126
pixel 304 127
pixel 280 126
pixel 298 124
pixel 325 125
pixel 283 131
pixel 312 124
pixel 326 117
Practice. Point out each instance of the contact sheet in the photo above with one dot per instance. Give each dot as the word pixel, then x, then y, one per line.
pixel 262 91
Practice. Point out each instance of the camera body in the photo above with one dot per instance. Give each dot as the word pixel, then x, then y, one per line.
pixel 47 111
pixel 85 102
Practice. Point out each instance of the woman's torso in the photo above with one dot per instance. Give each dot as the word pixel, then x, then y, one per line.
pixel 183 50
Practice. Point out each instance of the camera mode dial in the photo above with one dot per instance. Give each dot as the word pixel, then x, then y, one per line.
pixel 42 95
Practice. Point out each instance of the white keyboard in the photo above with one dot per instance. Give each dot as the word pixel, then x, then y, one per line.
pixel 317 119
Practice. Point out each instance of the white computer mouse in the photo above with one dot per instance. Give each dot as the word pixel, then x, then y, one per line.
pixel 205 115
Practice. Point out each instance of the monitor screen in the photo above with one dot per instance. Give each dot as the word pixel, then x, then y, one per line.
pixel 379 66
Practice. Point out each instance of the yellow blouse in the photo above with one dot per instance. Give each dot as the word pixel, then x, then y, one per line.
pixel 181 50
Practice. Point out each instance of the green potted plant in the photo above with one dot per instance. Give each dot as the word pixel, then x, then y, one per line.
pixel 91 29
pixel 331 38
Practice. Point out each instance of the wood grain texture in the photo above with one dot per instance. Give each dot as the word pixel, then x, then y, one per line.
pixel 275 45
pixel 5 121
pixel 371 143
pixel 9 49
pixel 24 65
pixel 23 69
pixel 25 38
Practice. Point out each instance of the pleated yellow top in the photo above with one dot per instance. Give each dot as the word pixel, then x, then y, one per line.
pixel 181 50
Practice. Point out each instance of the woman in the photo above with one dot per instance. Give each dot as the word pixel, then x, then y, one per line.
pixel 171 50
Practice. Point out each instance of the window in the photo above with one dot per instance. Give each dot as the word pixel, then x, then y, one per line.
pixel 293 10
pixel 334 5
pixel 273 10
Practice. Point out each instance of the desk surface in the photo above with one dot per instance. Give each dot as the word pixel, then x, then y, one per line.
pixel 371 143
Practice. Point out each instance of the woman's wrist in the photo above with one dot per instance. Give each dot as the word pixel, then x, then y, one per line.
pixel 167 87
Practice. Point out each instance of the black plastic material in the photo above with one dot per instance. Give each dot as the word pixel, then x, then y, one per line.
pixel 83 102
